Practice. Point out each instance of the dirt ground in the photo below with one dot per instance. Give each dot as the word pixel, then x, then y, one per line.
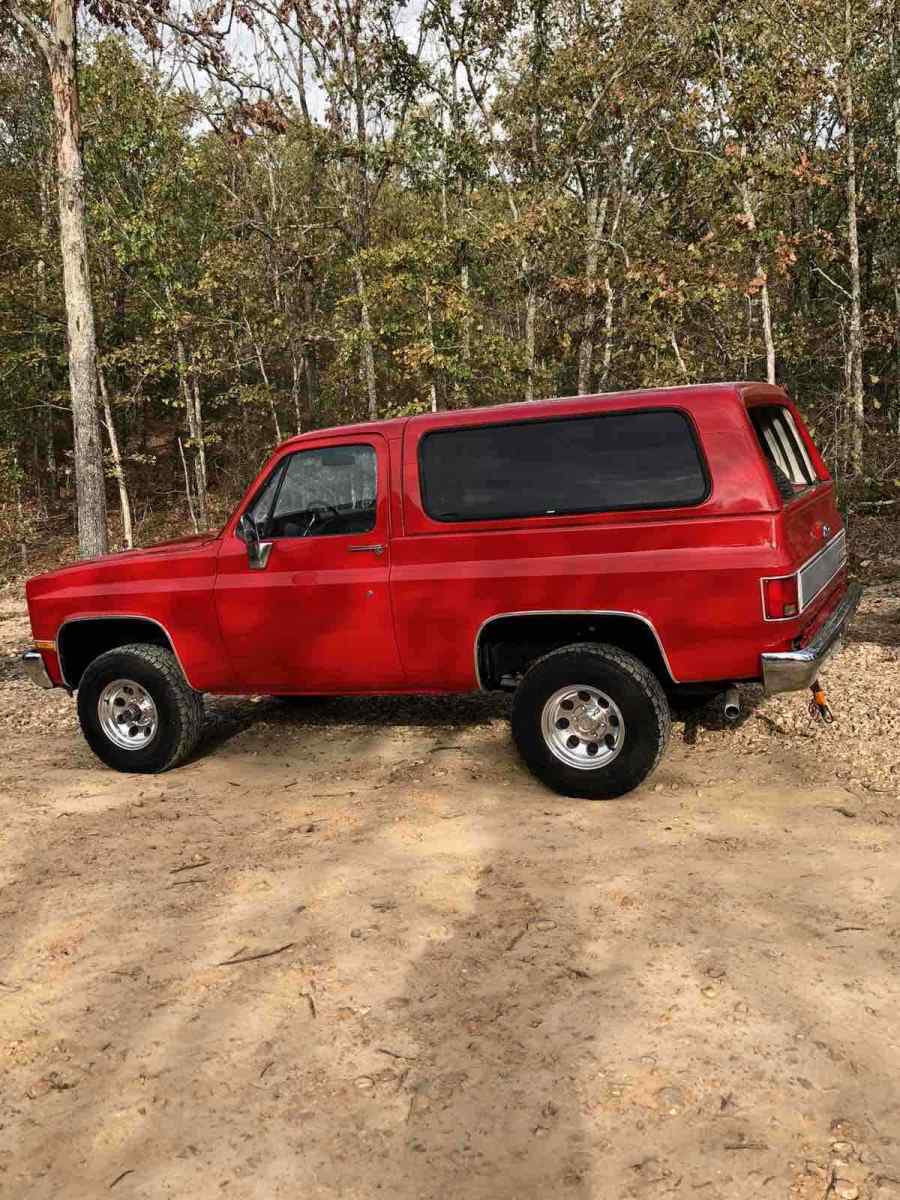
pixel 353 950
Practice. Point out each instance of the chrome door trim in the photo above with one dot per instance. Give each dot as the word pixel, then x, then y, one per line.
pixel 571 612
pixel 117 616
pixel 258 555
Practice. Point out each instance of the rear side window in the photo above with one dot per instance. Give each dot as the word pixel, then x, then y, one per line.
pixel 785 451
pixel 599 463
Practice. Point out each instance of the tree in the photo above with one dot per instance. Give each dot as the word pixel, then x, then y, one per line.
pixel 56 39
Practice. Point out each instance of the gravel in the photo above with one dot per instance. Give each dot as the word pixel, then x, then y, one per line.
pixel 862 683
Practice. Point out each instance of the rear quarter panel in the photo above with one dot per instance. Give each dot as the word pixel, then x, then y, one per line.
pixel 693 573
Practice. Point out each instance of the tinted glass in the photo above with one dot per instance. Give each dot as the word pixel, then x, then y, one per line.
pixel 324 492
pixel 575 464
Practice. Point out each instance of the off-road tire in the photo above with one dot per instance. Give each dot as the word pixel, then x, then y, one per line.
pixel 625 680
pixel 179 708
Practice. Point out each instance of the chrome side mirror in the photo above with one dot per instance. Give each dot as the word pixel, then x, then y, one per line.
pixel 257 551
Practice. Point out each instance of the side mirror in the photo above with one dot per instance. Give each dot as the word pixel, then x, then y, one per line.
pixel 257 551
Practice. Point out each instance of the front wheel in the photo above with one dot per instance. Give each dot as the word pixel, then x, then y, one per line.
pixel 137 711
pixel 590 720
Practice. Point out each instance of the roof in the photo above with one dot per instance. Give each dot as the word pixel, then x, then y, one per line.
pixel 692 391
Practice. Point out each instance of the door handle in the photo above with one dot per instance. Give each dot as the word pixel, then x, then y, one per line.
pixel 376 549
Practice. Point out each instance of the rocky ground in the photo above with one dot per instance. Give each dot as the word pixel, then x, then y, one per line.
pixel 352 949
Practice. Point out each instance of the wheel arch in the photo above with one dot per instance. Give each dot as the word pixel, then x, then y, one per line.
pixel 79 640
pixel 506 643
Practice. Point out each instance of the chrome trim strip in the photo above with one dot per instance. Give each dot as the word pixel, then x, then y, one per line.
pixel 793 670
pixel 117 617
pixel 570 612
pixel 258 555
pixel 838 542
pixel 33 663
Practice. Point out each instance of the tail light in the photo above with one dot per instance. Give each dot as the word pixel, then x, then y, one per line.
pixel 780 598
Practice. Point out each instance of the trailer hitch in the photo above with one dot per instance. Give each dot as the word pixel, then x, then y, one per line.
pixel 818 706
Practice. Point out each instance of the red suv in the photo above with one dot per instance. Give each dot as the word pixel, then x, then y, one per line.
pixel 595 555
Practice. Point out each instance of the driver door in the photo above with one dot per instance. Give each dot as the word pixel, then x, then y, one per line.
pixel 316 617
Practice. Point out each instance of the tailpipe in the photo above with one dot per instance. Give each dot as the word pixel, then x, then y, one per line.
pixel 731 704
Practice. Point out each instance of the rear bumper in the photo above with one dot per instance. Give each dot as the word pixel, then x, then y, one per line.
pixel 794 670
pixel 33 663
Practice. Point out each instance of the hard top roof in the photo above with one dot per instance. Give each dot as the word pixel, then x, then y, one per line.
pixel 534 408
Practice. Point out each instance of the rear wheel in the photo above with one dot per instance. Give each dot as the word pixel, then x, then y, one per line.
pixel 590 720
pixel 137 711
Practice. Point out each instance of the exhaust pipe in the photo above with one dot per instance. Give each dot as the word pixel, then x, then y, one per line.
pixel 731 704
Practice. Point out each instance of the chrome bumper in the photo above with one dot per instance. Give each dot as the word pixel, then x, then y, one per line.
pixel 793 670
pixel 35 669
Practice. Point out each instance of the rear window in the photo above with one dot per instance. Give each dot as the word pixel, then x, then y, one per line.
pixel 598 463
pixel 785 451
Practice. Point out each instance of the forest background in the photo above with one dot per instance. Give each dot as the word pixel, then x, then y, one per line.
pixel 224 224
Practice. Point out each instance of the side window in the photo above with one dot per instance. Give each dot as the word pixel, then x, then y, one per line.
pixel 325 492
pixel 781 443
pixel 604 462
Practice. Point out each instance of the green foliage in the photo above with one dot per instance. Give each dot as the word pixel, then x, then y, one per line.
pixel 628 176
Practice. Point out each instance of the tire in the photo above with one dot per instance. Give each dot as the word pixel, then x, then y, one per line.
pixel 114 686
pixel 625 711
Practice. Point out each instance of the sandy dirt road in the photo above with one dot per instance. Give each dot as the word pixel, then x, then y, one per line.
pixel 479 989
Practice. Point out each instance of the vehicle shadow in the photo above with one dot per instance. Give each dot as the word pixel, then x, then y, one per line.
pixel 229 716
pixel 708 716
pixel 493 1010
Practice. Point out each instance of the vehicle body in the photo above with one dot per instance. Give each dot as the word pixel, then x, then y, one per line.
pixel 433 562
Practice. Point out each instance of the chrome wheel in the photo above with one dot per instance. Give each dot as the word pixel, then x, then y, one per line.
pixel 127 714
pixel 583 727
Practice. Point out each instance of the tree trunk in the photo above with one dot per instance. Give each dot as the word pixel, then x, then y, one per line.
pixel 20 514
pixel 682 366
pixel 596 219
pixel 857 405
pixel 310 359
pixel 760 273
pixel 766 313
pixel 191 393
pixel 90 485
pixel 530 316
pixel 200 454
pixel 433 397
pixel 894 57
pixel 187 488
pixel 52 472
pixel 368 353
pixel 607 332
pixel 296 370
pixel 257 350
pixel 118 471
pixel 466 341
pixel 41 273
